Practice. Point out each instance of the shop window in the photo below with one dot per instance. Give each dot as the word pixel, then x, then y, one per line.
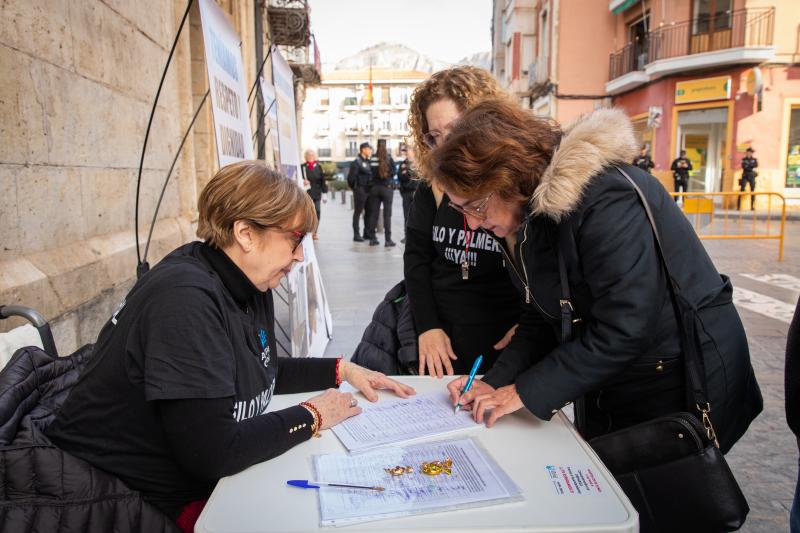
pixel 793 155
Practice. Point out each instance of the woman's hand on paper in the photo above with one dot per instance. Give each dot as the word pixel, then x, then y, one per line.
pixel 499 403
pixel 334 407
pixel 435 352
pixel 478 388
pixel 502 343
pixel 367 381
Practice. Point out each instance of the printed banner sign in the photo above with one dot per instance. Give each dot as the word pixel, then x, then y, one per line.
pixel 703 90
pixel 311 321
pixel 226 84
pixel 289 144
pixel 270 122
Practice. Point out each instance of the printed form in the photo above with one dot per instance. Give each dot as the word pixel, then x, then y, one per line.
pixel 475 480
pixel 394 421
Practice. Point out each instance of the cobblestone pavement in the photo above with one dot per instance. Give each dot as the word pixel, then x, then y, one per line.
pixel 765 462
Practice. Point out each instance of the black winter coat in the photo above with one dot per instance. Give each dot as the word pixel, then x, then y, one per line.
pixel 44 488
pixel 389 344
pixel 316 180
pixel 625 361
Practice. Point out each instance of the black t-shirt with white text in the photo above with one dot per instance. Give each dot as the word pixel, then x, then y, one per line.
pixel 435 248
pixel 193 328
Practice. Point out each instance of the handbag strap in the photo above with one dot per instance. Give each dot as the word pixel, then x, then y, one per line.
pixel 687 328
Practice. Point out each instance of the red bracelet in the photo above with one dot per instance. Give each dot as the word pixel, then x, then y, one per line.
pixel 338 375
pixel 317 425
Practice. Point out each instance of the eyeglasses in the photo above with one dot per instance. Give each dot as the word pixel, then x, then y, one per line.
pixel 433 138
pixel 297 239
pixel 475 211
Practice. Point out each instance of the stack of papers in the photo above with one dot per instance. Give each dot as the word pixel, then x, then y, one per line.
pixel 475 480
pixel 393 421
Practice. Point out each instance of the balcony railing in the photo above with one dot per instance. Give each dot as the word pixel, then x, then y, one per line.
pixel 631 58
pixel 742 28
pixel 324 152
pixel 745 27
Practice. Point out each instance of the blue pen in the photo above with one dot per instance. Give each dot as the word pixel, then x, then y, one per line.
pixel 471 377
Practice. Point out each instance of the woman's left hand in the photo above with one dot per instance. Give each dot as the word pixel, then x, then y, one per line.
pixel 502 343
pixel 502 401
pixel 367 381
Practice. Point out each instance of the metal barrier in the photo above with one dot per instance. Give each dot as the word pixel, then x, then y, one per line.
pixel 735 215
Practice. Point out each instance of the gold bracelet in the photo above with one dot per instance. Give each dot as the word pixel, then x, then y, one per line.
pixel 317 424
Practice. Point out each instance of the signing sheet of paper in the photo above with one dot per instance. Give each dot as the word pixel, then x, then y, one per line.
pixel 475 480
pixel 392 421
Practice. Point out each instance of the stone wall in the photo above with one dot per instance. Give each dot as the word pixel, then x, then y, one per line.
pixel 79 78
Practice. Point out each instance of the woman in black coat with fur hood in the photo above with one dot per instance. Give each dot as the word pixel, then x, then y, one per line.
pixel 540 190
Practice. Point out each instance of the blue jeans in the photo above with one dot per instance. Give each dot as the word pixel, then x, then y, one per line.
pixel 794 515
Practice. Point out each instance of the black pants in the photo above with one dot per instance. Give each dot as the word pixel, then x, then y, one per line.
pixel 407 196
pixel 380 194
pixel 317 201
pixel 681 185
pixel 746 179
pixel 359 203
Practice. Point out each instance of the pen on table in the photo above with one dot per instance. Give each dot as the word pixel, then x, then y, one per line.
pixel 471 377
pixel 308 484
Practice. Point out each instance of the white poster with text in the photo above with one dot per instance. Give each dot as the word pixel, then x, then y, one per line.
pixel 289 144
pixel 226 84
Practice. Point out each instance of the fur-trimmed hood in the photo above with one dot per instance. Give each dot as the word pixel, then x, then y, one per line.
pixel 592 142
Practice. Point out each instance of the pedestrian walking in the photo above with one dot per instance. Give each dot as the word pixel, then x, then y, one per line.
pixel 749 165
pixel 407 177
pixel 314 180
pixel 381 193
pixel 643 160
pixel 358 179
pixel 792 395
pixel 681 167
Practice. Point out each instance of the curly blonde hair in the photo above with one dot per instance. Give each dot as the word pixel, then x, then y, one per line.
pixel 464 85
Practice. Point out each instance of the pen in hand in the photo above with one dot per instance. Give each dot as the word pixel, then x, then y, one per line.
pixel 471 377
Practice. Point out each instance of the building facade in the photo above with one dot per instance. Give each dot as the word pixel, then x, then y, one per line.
pixel 712 77
pixel 342 112
pixel 79 81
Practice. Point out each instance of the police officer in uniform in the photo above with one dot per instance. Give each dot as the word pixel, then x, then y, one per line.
pixel 359 178
pixel 407 177
pixel 643 160
pixel 680 171
pixel 381 193
pixel 749 165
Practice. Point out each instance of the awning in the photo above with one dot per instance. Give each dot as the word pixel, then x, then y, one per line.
pixel 621 5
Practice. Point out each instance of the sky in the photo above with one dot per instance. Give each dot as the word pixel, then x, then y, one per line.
pixel 447 30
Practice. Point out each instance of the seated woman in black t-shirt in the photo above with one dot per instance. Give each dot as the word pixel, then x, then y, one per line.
pixel 461 296
pixel 176 394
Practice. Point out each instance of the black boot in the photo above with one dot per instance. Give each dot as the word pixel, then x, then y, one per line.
pixel 389 243
pixel 374 242
pixel 357 237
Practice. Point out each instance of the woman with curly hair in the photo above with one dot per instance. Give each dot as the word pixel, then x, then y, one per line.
pixel 462 299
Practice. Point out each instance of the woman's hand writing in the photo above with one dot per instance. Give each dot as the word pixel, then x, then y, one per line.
pixel 457 385
pixel 500 402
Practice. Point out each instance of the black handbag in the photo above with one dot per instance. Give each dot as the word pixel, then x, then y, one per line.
pixel 670 467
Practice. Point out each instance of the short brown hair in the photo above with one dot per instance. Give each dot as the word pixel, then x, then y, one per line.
pixel 464 85
pixel 251 191
pixel 495 147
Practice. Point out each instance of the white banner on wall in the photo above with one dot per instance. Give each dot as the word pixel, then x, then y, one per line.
pixel 289 144
pixel 270 123
pixel 311 322
pixel 226 84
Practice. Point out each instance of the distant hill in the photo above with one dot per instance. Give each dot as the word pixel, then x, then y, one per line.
pixel 389 56
pixel 481 59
